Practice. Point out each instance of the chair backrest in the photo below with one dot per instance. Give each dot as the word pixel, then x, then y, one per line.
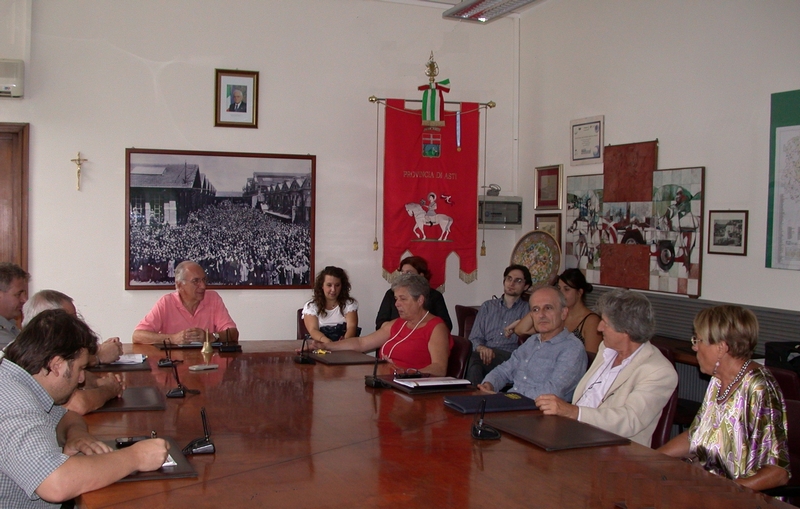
pixel 459 357
pixel 793 432
pixel 664 426
pixel 301 326
pixel 469 321
pixel 788 381
pixel 462 312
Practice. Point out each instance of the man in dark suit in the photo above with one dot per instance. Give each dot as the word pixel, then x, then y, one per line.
pixel 237 105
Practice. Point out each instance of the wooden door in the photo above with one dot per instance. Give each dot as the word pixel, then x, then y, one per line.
pixel 14 194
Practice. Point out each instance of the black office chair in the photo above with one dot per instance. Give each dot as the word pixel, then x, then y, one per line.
pixel 459 357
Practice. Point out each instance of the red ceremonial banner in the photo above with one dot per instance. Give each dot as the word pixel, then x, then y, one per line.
pixel 430 189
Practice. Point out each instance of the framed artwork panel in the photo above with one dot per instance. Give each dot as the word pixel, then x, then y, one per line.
pixel 548 187
pixel 727 232
pixel 550 223
pixel 247 219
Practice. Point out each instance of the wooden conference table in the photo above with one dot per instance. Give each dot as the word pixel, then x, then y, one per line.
pixel 301 436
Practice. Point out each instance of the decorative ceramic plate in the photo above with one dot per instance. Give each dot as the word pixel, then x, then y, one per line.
pixel 538 251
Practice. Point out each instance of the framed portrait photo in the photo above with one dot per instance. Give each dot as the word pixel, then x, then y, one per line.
pixel 548 187
pixel 550 223
pixel 728 233
pixel 236 99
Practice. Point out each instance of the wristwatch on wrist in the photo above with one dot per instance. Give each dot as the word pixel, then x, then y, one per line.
pixel 216 336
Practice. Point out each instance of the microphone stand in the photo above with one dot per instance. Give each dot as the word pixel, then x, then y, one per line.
pixel 303 358
pixel 374 381
pixel 180 391
pixel 202 445
pixel 167 362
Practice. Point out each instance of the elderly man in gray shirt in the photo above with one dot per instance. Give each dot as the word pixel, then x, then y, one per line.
pixel 13 294
pixel 550 362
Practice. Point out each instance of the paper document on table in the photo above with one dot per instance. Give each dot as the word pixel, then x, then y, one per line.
pixel 169 462
pixel 130 358
pixel 433 381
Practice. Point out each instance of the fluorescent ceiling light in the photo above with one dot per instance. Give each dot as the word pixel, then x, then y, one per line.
pixel 483 11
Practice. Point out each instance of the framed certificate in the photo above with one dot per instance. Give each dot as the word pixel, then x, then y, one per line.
pixel 587 140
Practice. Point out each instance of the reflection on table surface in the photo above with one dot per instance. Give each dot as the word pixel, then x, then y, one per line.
pixel 314 436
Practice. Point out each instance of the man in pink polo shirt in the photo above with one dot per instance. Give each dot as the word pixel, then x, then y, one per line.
pixel 185 316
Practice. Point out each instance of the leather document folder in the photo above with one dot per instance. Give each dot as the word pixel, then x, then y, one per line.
pixel 182 470
pixel 343 357
pixel 136 399
pixel 553 432
pixel 500 402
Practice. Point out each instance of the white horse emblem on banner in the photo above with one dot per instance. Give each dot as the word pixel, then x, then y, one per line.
pixel 421 220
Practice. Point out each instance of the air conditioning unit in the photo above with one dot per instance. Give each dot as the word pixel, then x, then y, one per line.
pixel 12 78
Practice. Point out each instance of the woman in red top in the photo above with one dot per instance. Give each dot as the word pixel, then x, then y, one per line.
pixel 416 340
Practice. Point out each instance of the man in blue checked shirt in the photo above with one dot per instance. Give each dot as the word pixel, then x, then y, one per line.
pixel 490 345
pixel 47 455
pixel 549 362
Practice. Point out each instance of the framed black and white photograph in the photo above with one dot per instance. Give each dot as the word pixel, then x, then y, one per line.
pixel 236 98
pixel 728 233
pixel 247 219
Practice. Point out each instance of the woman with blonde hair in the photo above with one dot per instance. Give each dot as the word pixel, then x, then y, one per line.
pixel 740 430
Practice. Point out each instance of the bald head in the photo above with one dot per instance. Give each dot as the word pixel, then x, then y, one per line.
pixel 44 300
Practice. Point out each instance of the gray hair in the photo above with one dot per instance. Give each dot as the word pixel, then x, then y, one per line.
pixel 42 301
pixel 416 285
pixel 628 312
pixel 9 272
pixel 182 267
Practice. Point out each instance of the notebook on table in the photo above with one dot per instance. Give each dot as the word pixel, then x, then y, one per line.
pixel 126 362
pixel 178 468
pixel 427 385
pixel 553 432
pixel 500 402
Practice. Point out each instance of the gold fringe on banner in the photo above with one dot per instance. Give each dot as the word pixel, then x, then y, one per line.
pixel 468 277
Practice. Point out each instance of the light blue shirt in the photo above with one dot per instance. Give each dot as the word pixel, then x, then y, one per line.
pixel 543 367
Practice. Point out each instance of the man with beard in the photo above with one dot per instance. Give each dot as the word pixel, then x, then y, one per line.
pixel 40 464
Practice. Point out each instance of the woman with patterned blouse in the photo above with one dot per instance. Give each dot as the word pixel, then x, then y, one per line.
pixel 740 430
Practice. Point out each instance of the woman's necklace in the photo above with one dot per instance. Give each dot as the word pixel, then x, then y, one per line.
pixel 722 397
pixel 389 355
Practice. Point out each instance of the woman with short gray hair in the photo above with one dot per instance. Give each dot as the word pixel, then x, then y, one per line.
pixel 417 340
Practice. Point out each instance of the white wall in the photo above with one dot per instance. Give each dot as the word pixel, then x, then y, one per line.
pixel 696 75
pixel 104 76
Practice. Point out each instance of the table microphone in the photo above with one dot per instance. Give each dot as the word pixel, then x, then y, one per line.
pixel 167 362
pixel 374 381
pixel 180 391
pixel 303 358
pixel 481 431
pixel 202 445
pixel 228 347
